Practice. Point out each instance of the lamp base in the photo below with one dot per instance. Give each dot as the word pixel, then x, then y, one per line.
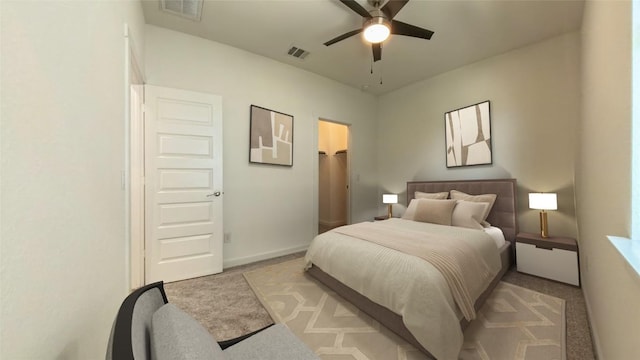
pixel 544 228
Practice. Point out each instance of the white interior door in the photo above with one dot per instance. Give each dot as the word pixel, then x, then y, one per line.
pixel 183 184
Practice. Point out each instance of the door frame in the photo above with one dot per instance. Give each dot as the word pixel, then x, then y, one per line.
pixel 133 173
pixel 316 173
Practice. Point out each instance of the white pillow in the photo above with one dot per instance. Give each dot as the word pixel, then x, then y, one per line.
pixel 484 198
pixel 434 211
pixel 468 214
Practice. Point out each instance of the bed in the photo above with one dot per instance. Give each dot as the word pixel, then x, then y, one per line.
pixel 400 296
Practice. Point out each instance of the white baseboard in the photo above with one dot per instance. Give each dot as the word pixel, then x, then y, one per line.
pixel 227 263
pixel 595 339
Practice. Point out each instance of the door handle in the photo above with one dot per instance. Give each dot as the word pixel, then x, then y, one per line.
pixel 216 194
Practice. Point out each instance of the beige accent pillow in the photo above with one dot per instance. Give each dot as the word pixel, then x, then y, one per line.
pixel 423 195
pixel 434 211
pixel 484 198
pixel 468 214
pixel 411 209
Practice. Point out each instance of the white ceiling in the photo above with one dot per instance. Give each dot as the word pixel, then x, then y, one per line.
pixel 465 31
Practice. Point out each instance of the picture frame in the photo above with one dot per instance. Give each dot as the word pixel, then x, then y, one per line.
pixel 468 135
pixel 270 137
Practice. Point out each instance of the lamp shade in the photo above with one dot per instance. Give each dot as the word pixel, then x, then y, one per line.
pixel 543 201
pixel 389 198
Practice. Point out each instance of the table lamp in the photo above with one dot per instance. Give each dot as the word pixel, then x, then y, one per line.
pixel 542 202
pixel 390 199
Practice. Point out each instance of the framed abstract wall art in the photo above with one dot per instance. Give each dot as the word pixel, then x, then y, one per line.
pixel 271 137
pixel 468 135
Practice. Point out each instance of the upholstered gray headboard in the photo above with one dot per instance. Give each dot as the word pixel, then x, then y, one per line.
pixel 504 211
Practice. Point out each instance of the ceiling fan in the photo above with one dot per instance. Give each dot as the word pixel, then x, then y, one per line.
pixel 378 24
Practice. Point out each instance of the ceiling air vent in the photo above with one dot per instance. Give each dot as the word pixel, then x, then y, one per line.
pixel 190 9
pixel 296 52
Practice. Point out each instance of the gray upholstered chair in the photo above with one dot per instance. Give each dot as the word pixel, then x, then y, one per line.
pixel 147 327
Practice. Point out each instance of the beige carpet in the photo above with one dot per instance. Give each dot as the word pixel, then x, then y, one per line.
pixel 515 323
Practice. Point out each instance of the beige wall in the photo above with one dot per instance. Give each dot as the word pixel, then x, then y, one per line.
pixel 64 252
pixel 535 102
pixel 603 178
pixel 280 203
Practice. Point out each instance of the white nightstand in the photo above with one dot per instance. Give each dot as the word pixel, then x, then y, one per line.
pixel 554 258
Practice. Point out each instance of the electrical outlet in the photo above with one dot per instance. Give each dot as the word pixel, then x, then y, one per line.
pixel 227 238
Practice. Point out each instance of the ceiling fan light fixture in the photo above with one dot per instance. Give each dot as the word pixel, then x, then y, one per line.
pixel 377 29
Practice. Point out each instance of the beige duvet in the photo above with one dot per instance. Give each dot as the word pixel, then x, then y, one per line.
pixel 407 285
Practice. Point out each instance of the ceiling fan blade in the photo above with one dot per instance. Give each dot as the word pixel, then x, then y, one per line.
pixel 353 5
pixel 377 51
pixel 392 7
pixel 400 28
pixel 342 37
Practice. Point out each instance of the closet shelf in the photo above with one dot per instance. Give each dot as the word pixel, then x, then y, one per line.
pixel 344 151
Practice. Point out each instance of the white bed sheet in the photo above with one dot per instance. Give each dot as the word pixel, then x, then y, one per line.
pixel 496 234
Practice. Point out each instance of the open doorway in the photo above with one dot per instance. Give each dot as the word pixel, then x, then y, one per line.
pixel 333 173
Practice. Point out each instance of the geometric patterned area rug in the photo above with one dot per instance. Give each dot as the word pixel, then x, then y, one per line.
pixel 514 323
